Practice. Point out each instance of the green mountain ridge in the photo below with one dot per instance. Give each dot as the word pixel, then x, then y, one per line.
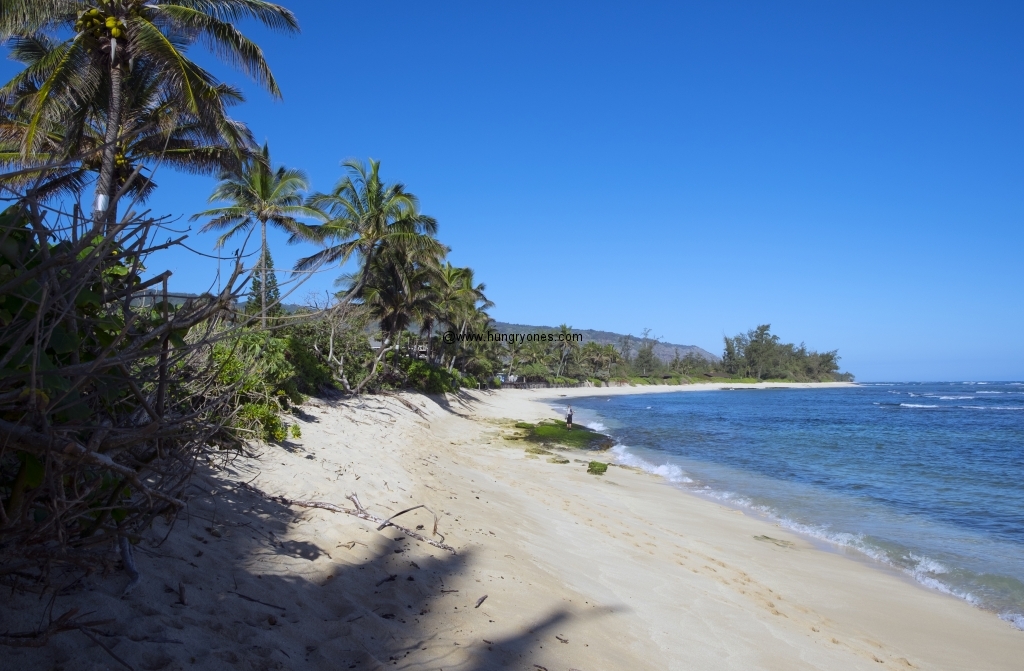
pixel 663 350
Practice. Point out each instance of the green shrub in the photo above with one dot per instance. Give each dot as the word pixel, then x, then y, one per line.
pixel 311 374
pixel 429 378
pixel 469 382
pixel 296 431
pixel 524 425
pixel 263 419
pixel 597 468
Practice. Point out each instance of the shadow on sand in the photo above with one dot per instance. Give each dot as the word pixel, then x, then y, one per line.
pixel 357 600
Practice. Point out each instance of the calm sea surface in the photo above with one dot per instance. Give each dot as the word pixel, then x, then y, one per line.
pixel 924 478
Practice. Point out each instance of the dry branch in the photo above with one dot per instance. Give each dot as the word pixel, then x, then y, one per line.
pixel 262 603
pixel 38 639
pixel 106 648
pixel 106 400
pixel 361 512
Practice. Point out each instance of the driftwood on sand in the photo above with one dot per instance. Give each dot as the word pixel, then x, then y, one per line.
pixel 361 512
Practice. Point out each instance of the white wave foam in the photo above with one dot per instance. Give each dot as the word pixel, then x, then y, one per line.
pixel 991 392
pixel 916 405
pixel 596 426
pixel 921 569
pixel 956 398
pixel 734 499
pixel 1016 619
pixel 991 407
pixel 670 472
pixel 927 564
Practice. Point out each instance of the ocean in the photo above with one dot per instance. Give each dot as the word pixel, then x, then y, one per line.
pixel 926 479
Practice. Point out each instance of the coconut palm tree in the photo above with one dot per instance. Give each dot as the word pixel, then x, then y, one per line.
pixel 444 284
pixel 468 307
pixel 609 357
pixel 397 290
pixel 155 129
pixel 567 347
pixel 258 194
pixel 593 355
pixel 534 359
pixel 457 301
pixel 108 38
pixel 366 216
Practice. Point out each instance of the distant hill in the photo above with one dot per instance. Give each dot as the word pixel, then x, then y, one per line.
pixel 663 350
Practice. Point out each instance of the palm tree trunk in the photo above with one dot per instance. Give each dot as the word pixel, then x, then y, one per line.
pixel 104 186
pixel 263 274
pixel 462 331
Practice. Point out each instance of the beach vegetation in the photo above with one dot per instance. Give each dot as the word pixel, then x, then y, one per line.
pixel 263 420
pixel 760 355
pixel 553 432
pixel 597 468
pixel 108 395
pixel 430 378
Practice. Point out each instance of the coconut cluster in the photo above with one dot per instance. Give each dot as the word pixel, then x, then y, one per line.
pixel 99 24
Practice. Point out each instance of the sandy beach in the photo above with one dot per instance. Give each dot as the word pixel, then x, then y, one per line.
pixel 555 569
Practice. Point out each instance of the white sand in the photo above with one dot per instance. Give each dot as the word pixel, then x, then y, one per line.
pixel 620 571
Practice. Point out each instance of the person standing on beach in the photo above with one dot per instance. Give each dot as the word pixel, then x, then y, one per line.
pixel 568 418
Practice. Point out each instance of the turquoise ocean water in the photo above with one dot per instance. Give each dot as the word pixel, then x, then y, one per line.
pixel 926 479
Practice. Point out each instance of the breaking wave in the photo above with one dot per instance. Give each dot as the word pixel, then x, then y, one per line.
pixel 670 472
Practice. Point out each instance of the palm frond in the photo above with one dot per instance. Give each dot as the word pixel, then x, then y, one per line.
pixel 224 40
pixel 270 14
pixel 22 17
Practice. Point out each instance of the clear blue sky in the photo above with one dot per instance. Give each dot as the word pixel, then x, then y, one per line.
pixel 852 173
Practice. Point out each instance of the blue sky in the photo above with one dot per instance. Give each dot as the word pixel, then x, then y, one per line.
pixel 852 173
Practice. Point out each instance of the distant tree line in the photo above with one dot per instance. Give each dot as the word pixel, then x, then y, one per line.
pixel 760 354
pixel 752 356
